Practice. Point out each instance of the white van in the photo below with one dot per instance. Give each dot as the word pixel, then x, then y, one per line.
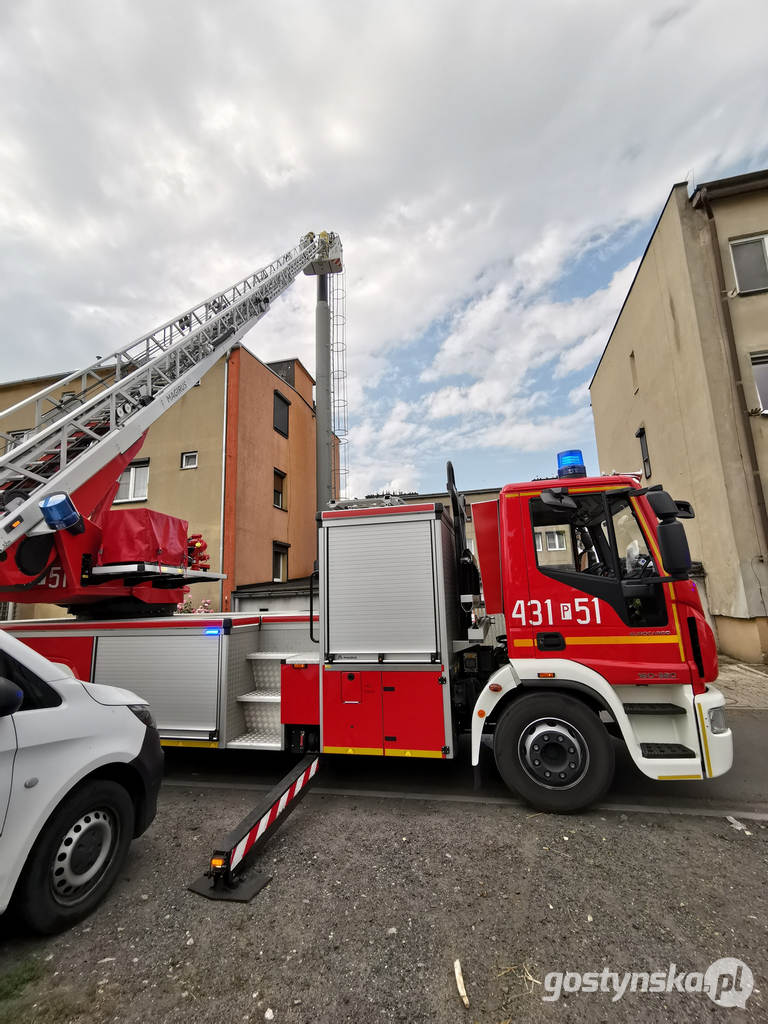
pixel 80 770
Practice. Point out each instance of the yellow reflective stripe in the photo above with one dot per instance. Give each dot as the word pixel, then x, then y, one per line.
pixel 390 752
pixel 571 490
pixel 669 778
pixel 677 627
pixel 609 640
pixel 704 740
pixel 353 750
pixel 189 743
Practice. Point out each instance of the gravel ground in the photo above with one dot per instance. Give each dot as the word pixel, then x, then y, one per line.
pixel 372 900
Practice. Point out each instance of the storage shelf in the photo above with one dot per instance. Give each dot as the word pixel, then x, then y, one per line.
pixel 259 739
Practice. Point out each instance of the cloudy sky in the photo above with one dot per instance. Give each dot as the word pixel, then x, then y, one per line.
pixel 494 170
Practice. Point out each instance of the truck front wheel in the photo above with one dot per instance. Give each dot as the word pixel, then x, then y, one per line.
pixel 76 857
pixel 554 751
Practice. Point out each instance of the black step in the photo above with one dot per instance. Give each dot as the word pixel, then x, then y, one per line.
pixel 658 750
pixel 654 709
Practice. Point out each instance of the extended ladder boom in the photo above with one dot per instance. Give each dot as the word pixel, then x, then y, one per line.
pixel 117 398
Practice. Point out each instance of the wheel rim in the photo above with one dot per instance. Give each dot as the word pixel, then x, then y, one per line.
pixel 84 855
pixel 554 753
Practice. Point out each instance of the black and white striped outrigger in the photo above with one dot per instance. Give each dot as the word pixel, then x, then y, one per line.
pixel 224 880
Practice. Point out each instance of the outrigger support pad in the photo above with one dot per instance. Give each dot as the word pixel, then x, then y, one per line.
pixel 224 879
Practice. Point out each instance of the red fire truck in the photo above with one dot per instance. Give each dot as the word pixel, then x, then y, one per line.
pixel 604 631
pixel 609 640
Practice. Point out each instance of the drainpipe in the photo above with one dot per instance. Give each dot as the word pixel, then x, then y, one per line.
pixel 741 400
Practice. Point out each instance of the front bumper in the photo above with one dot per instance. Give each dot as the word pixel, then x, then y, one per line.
pixel 149 765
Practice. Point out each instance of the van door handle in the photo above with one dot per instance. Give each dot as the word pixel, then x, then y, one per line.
pixel 550 641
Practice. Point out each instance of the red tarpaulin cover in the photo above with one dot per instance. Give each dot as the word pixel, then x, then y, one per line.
pixel 141 535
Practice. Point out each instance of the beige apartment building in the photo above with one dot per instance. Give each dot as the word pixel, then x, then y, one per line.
pixel 235 457
pixel 681 390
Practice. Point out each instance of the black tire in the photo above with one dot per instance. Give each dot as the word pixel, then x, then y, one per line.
pixel 86 838
pixel 554 751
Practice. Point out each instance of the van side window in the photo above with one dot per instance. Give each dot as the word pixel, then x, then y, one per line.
pixel 37 694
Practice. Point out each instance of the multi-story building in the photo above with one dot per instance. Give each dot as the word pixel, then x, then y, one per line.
pixel 681 391
pixel 235 458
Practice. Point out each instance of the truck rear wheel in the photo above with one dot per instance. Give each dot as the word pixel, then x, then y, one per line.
pixel 76 857
pixel 554 751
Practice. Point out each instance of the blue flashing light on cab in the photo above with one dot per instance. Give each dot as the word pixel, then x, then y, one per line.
pixel 571 463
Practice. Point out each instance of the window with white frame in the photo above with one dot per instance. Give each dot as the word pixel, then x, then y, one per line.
pixel 279 562
pixel 555 540
pixel 189 460
pixel 750 263
pixel 539 541
pixel 134 482
pixel 278 499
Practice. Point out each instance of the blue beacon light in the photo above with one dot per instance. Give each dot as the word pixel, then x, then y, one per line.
pixel 60 513
pixel 571 463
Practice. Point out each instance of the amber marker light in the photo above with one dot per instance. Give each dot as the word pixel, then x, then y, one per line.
pixel 218 862
pixel 496 687
pixel 546 675
pixel 481 713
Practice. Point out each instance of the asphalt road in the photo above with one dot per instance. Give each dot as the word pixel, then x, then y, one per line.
pixel 743 789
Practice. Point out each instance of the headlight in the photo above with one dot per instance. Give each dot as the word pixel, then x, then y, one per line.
pixel 144 714
pixel 717 723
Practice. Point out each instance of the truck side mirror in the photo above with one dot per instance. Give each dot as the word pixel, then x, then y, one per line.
pixel 11 697
pixel 673 545
pixel 661 503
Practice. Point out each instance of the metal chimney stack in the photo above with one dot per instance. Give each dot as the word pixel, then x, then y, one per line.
pixel 327 261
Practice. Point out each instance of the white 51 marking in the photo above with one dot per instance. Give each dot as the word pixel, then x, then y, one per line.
pixel 583 610
pixel 56 578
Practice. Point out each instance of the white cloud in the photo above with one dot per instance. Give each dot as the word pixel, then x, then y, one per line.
pixel 466 156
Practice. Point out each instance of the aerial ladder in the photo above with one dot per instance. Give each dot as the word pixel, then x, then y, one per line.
pixel 58 482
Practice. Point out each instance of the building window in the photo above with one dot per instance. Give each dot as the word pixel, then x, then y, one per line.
pixel 189 460
pixel 282 405
pixel 750 264
pixel 134 482
pixel 279 490
pixel 555 540
pixel 760 373
pixel 279 563
pixel 633 371
pixel 539 541
pixel 640 434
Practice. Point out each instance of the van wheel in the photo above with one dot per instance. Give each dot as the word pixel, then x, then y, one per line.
pixel 76 857
pixel 554 751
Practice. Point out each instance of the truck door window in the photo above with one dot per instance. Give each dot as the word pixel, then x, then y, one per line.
pixel 37 694
pixel 574 540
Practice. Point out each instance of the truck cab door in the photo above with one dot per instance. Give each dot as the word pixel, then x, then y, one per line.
pixel 592 595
